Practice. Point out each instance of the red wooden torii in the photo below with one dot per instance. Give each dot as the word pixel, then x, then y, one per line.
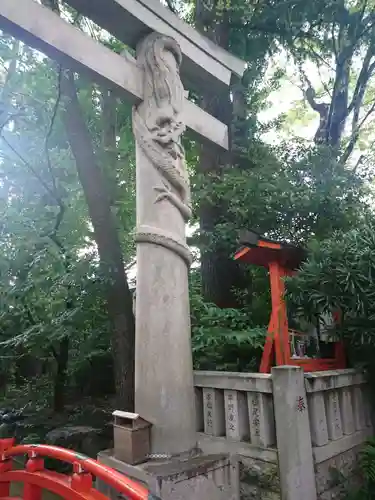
pixel 77 486
pixel 282 259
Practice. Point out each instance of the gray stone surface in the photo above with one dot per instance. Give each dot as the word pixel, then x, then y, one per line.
pixel 333 379
pixel 251 492
pixel 337 471
pixel 318 418
pixel 213 412
pixel 261 419
pixel 347 415
pixel 258 478
pixel 346 443
pixel 207 477
pixel 236 415
pixel 253 382
pixel 220 444
pixel 359 408
pixel 83 439
pixel 340 491
pixel 334 420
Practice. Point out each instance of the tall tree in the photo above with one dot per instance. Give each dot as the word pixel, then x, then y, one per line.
pixel 95 187
pixel 220 274
pixel 342 44
pixel 338 35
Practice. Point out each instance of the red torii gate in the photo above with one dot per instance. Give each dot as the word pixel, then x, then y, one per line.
pixel 282 259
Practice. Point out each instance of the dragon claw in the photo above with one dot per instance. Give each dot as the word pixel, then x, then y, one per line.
pixel 160 197
pixel 163 193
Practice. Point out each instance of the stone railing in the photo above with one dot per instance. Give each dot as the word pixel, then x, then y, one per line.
pixel 235 415
pixel 339 411
pixel 237 406
pixel 286 431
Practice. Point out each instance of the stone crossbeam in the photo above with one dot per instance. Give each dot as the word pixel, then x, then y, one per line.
pixel 205 65
pixel 44 30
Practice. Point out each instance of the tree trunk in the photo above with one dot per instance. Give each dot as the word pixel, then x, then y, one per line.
pixel 95 187
pixel 338 111
pixel 27 366
pixel 219 272
pixel 61 357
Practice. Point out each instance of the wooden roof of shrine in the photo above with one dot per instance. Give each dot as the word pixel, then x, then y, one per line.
pixel 261 251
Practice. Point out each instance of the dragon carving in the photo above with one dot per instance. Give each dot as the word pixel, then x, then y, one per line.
pixel 157 121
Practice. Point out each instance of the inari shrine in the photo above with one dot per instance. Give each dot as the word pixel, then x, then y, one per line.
pixel 285 345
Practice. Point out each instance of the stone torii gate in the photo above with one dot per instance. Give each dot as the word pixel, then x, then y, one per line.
pixel 164 392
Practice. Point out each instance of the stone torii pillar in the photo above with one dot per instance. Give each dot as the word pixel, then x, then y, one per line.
pixel 164 392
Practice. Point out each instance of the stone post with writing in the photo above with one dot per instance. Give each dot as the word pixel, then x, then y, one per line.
pixel 164 392
pixel 294 449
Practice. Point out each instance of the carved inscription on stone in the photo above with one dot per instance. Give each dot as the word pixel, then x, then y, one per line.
pixel 236 415
pixel 334 415
pixel 261 419
pixel 255 415
pixel 318 418
pixel 213 411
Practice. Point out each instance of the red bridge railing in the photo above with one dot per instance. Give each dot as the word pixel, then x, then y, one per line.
pixel 77 486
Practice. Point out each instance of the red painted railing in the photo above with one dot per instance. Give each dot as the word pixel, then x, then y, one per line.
pixel 77 486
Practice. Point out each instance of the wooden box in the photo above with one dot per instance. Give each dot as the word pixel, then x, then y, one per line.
pixel 131 435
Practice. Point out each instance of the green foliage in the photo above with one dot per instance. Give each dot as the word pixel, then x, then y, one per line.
pixel 367 463
pixel 367 472
pixel 51 288
pixel 339 274
pixel 224 339
pixel 291 194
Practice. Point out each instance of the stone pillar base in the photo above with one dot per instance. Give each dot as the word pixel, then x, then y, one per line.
pixel 205 477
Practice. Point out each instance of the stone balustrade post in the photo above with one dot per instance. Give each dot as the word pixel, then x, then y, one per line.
pixel 296 465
